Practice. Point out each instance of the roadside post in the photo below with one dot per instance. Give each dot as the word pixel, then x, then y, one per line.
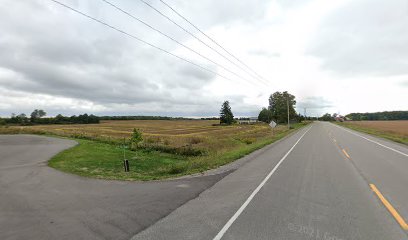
pixel 125 161
pixel 273 124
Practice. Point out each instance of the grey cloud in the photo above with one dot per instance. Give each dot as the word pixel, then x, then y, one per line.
pixel 292 3
pixel 64 56
pixel 314 106
pixel 56 53
pixel 364 38
pixel 225 12
pixel 314 102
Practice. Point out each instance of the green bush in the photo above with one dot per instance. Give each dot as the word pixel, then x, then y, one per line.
pixel 136 138
pixel 183 151
pixel 249 140
pixel 177 169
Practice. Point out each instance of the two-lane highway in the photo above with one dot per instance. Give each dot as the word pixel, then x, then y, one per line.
pixel 324 182
pixel 383 164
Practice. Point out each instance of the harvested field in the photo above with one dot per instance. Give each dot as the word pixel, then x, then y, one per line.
pixel 204 133
pixel 393 130
pixel 395 127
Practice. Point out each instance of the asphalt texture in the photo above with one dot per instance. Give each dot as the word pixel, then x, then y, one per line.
pixel 39 202
pixel 316 189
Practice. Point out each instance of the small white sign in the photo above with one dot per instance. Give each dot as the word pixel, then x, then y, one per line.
pixel 272 124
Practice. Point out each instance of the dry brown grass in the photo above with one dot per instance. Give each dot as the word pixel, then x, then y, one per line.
pixel 399 128
pixel 197 133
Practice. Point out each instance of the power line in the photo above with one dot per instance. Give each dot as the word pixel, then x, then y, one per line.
pixel 198 29
pixel 197 38
pixel 174 40
pixel 140 40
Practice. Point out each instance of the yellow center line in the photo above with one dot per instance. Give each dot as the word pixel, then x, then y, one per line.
pixel 345 153
pixel 390 208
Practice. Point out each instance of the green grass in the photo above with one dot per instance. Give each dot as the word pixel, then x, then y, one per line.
pixel 375 132
pixel 243 150
pixel 102 160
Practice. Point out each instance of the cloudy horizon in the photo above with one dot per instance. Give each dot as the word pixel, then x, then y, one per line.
pixel 334 56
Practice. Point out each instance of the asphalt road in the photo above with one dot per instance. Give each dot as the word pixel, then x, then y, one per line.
pixel 316 184
pixel 38 202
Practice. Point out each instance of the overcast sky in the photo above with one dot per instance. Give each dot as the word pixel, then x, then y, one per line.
pixel 334 56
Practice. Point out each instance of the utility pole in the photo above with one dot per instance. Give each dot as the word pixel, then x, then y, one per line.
pixel 287 103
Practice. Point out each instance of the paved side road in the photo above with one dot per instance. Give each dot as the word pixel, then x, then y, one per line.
pixel 38 202
pixel 313 185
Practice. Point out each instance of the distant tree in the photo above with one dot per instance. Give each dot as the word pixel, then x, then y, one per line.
pixel 278 105
pixel 326 117
pixel 21 119
pixel 84 119
pixel 36 114
pixel 2 122
pixel 13 118
pixel 226 116
pixel 301 118
pixel 60 119
pixel 265 115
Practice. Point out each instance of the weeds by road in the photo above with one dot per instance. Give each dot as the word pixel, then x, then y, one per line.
pixel 393 130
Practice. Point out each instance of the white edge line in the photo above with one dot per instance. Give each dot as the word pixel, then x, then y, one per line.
pixel 382 145
pixel 242 208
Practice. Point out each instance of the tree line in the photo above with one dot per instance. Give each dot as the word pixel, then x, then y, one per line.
pixel 38 117
pixel 142 118
pixel 393 115
pixel 376 116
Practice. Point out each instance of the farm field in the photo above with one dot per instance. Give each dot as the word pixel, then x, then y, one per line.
pixel 170 147
pixel 393 130
pixel 200 133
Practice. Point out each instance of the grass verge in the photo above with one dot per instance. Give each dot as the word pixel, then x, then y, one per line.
pixel 102 160
pixel 376 132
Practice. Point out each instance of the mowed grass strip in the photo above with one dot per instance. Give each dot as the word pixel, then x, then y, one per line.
pixel 396 131
pixel 101 160
pixel 105 161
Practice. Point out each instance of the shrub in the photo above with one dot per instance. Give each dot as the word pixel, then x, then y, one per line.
pixel 166 142
pixel 136 138
pixel 190 151
pixel 195 140
pixel 177 169
pixel 249 140
pixel 184 151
